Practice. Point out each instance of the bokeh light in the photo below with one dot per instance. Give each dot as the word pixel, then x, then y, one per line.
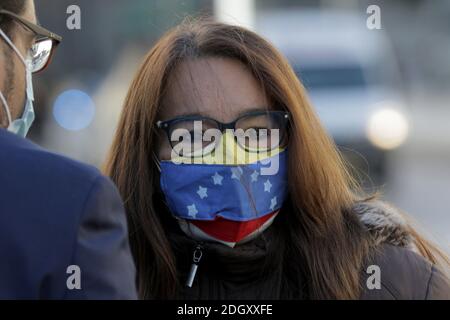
pixel 74 110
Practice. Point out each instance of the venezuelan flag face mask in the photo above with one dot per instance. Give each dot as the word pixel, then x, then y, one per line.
pixel 229 200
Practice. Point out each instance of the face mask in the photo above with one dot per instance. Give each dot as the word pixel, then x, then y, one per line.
pixel 226 203
pixel 22 125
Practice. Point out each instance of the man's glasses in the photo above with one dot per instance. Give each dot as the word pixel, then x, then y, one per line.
pixel 197 136
pixel 44 45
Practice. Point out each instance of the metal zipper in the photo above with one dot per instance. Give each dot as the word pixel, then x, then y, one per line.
pixel 196 257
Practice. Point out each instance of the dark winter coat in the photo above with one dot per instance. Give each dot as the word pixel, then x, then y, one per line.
pixel 250 271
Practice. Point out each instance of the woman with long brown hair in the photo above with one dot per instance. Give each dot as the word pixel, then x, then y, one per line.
pixel 304 231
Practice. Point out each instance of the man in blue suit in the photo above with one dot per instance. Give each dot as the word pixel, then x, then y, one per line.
pixel 63 232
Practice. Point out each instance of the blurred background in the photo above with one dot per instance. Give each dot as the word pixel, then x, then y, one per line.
pixel 383 94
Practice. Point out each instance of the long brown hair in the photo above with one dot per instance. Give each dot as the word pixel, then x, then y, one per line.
pixel 322 236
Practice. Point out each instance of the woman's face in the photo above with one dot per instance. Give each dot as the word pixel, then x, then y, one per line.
pixel 219 88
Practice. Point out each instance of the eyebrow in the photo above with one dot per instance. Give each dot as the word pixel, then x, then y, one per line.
pixel 38 23
pixel 33 34
pixel 207 115
pixel 191 114
pixel 253 110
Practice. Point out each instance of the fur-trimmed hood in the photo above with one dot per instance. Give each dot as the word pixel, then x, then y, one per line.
pixel 386 223
pixel 405 273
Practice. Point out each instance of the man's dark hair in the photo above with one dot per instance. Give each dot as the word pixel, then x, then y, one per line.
pixel 15 6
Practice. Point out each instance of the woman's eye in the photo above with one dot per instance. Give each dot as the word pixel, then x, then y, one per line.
pixel 194 133
pixel 264 132
pixel 259 132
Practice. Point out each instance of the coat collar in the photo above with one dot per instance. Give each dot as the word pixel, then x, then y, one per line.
pixel 387 224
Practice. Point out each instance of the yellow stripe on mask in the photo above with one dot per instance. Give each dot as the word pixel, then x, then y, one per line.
pixel 227 152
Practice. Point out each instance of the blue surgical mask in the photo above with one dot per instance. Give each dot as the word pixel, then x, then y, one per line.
pixel 22 125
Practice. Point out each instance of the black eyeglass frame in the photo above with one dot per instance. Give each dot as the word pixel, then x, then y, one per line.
pixel 41 33
pixel 284 116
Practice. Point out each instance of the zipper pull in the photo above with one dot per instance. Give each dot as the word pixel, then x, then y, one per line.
pixel 198 253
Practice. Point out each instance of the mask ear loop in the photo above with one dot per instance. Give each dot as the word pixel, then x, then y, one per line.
pixel 11 44
pixel 6 107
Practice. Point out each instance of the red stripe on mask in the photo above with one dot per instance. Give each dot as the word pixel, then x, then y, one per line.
pixel 231 231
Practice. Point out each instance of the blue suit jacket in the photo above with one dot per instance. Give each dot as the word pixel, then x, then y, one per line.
pixel 55 213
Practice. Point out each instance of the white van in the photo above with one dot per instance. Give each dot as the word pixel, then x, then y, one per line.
pixel 351 77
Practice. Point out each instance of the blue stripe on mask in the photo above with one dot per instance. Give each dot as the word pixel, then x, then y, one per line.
pixel 234 192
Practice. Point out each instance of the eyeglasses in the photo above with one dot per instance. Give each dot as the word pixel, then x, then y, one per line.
pixel 197 136
pixel 44 46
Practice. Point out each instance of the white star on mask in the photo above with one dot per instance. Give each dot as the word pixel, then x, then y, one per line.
pixel 192 211
pixel 202 192
pixel 273 203
pixel 254 176
pixel 217 179
pixel 267 186
pixel 236 173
